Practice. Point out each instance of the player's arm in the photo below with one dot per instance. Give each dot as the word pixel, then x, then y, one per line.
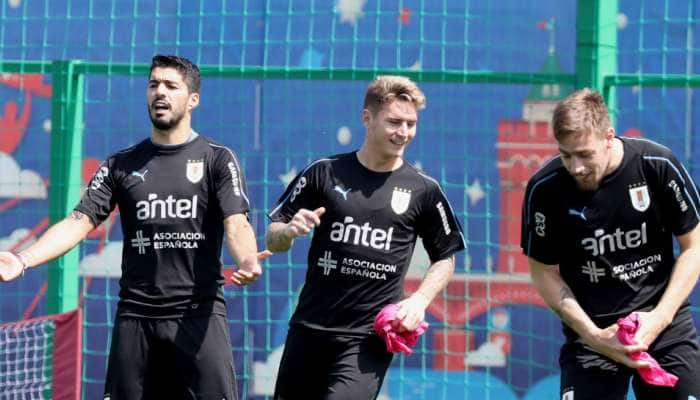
pixel 240 240
pixel 56 241
pixel 412 309
pixel 442 238
pixel 281 235
pixel 683 278
pixel 559 297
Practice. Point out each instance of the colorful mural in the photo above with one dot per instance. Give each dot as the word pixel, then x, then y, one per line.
pixel 491 335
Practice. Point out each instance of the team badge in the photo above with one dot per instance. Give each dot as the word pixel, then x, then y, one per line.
pixel 400 199
pixel 640 198
pixel 195 170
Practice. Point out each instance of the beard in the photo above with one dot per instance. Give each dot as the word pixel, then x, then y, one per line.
pixel 588 185
pixel 165 124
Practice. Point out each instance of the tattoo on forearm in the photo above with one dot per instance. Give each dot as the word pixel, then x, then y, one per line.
pixel 77 215
pixel 277 239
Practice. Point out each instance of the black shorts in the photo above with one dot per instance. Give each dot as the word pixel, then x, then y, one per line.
pixel 319 365
pixel 588 375
pixel 184 358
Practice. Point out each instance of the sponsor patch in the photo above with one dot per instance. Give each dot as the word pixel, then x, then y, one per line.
pixel 235 181
pixel 679 197
pixel 443 218
pixel 99 178
pixel 540 224
pixel 298 188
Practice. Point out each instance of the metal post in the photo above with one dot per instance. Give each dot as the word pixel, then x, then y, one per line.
pixel 65 178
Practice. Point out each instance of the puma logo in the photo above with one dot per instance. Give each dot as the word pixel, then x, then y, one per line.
pixel 340 190
pixel 578 213
pixel 140 175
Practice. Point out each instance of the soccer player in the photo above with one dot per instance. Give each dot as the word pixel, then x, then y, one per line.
pixel 367 209
pixel 179 194
pixel 598 227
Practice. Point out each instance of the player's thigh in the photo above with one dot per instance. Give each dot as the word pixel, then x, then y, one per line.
pixel 128 360
pixel 681 359
pixel 162 379
pixel 202 348
pixel 359 368
pixel 303 367
pixel 586 375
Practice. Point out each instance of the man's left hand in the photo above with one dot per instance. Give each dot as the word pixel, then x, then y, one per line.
pixel 249 268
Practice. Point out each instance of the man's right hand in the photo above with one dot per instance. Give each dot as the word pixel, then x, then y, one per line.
pixel 605 342
pixel 303 222
pixel 10 266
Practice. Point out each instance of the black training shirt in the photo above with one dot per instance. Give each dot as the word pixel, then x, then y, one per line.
pixel 614 246
pixel 172 201
pixel 360 253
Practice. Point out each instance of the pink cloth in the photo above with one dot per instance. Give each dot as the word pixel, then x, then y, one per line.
pixel 396 341
pixel 653 375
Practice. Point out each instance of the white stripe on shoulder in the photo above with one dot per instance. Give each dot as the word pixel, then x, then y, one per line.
pixel 686 183
pixel 238 168
pixel 645 140
pixel 428 177
pixel 279 206
pixel 454 215
pixel 534 186
pixel 128 149
pixel 541 180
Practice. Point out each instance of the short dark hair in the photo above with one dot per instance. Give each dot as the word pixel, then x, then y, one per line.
pixel 188 70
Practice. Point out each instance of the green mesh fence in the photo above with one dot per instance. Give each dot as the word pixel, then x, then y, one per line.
pixel 283 85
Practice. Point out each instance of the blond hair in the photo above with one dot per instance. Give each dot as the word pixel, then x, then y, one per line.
pixel 581 112
pixel 387 88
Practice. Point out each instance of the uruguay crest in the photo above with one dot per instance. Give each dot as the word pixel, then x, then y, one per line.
pixel 195 170
pixel 400 199
pixel 640 198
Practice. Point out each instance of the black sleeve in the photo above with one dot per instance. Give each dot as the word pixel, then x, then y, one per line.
pixel 538 237
pixel 229 183
pixel 438 226
pixel 679 195
pixel 303 192
pixel 99 198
